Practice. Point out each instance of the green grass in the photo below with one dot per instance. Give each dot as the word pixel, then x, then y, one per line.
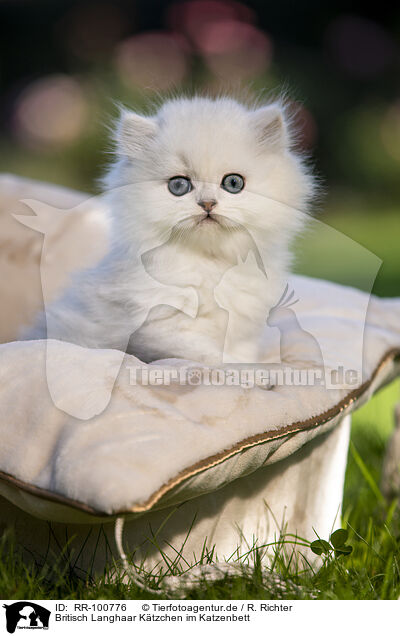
pixel 355 247
pixel 371 571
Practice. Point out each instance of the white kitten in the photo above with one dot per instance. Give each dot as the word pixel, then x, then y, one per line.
pixel 196 190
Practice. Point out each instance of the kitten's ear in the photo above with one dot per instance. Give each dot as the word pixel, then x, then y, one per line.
pixel 134 132
pixel 271 127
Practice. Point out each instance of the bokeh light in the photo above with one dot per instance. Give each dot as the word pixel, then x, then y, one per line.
pixel 51 112
pixel 235 51
pixel 195 16
pixel 223 33
pixel 360 46
pixel 152 60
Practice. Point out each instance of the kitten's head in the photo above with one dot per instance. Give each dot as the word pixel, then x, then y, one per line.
pixel 203 170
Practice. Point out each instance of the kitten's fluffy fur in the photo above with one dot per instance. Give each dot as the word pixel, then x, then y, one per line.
pixel 185 286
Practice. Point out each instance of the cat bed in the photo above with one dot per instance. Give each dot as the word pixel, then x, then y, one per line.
pixel 191 466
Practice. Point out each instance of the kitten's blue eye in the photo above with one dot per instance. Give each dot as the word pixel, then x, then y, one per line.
pixel 232 183
pixel 179 186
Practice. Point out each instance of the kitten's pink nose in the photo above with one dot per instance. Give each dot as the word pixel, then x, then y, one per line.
pixel 207 205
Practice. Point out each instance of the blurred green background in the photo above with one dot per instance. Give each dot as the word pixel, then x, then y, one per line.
pixel 64 64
